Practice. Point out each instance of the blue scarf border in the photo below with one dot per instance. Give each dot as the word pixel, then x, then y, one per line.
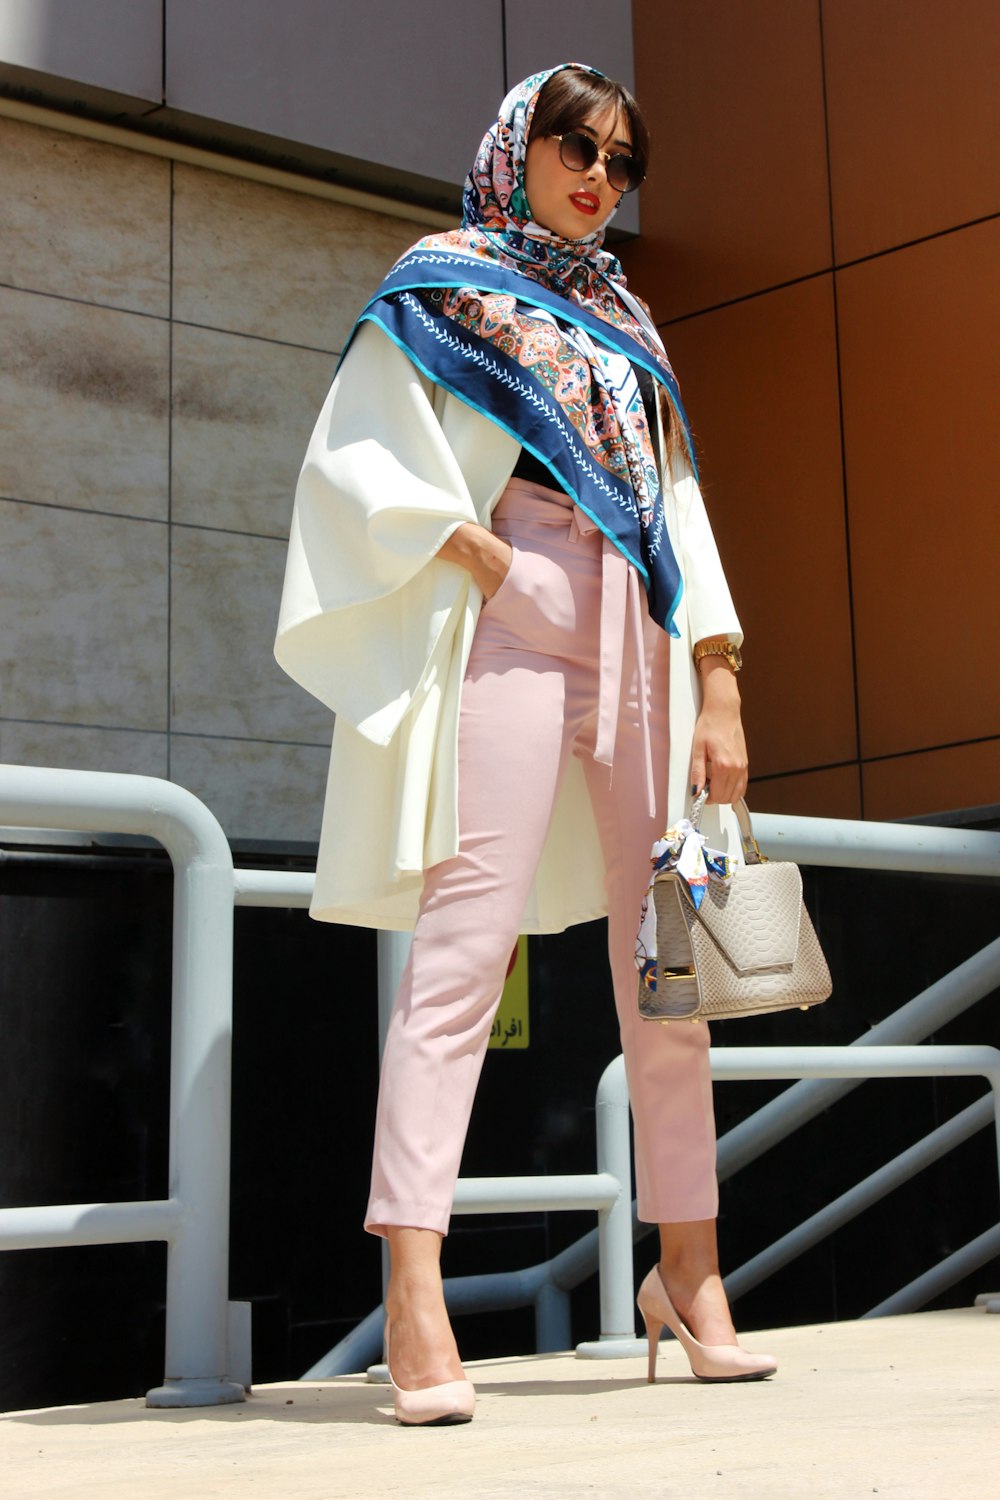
pixel 496 385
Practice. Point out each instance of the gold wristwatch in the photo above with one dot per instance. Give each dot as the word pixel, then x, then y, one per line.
pixel 727 649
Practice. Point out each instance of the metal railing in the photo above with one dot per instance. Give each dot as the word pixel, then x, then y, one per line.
pixel 194 1219
pixel 826 1075
pixel 201 1351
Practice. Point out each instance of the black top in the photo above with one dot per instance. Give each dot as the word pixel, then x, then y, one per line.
pixel 530 468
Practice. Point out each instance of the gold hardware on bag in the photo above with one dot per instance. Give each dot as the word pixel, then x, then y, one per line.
pixel 684 973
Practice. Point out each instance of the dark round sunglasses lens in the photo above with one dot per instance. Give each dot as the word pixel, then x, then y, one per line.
pixel 578 152
pixel 624 174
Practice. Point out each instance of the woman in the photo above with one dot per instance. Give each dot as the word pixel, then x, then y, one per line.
pixel 500 576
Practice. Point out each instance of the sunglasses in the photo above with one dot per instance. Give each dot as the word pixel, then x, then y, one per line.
pixel 578 152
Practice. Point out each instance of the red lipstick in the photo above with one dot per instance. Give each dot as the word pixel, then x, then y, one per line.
pixel 587 203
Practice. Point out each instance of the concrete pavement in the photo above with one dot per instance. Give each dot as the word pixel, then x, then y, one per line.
pixel 904 1408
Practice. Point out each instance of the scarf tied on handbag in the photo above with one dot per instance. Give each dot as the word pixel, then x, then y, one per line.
pixel 682 851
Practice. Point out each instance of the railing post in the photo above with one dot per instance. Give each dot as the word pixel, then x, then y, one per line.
pixel 553 1324
pixel 614 1224
pixel 196 1227
pixel 393 950
pixel 196 1362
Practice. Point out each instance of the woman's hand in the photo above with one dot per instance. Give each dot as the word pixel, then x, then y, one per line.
pixel 719 751
pixel 485 556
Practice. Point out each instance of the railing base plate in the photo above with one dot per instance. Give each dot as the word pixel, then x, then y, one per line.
pixel 612 1348
pixel 195 1392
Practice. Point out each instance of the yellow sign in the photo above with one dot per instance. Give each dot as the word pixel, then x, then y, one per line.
pixel 510 1026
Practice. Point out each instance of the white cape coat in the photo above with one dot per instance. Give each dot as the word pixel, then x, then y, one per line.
pixel 379 628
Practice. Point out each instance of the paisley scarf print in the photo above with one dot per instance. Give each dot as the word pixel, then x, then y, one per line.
pixel 560 359
pixel 541 335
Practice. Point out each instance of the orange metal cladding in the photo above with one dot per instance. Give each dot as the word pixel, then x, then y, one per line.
pixel 820 238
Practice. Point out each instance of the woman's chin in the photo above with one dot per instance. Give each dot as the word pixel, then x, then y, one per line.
pixel 577 227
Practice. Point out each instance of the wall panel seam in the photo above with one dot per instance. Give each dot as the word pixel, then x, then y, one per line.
pixel 119 515
pixel 130 312
pixel 846 265
pixel 922 239
pixel 255 536
pixel 180 734
pixel 167 317
pixel 79 724
pixel 981 739
pixel 259 338
pixel 833 765
pixel 764 291
pixel 848 560
pixel 252 739
pixel 83 510
pixel 230 166
pixel 170 459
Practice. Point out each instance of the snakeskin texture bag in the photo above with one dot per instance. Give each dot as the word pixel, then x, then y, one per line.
pixel 747 948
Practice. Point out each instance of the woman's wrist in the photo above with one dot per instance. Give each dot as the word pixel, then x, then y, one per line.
pixel 718 681
pixel 485 556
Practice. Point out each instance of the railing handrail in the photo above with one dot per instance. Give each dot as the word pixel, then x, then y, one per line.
pixel 195 1219
pixel 909 848
pixel 901 847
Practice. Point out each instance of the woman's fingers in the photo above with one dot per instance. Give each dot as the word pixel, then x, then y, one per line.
pixel 719 756
pixel 726 787
pixel 501 557
pixel 699 769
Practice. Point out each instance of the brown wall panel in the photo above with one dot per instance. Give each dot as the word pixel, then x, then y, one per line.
pixel 760 385
pixel 907 786
pixel 737 198
pixel 914 111
pixel 920 333
pixel 833 793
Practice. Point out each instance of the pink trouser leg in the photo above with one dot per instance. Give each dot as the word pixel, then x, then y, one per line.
pixel 523 713
pixel 667 1067
pixel 469 918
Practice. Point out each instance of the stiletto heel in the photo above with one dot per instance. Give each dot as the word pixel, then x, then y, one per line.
pixel 653 1331
pixel 435 1405
pixel 710 1362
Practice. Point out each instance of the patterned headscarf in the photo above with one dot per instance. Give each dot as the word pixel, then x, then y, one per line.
pixel 541 335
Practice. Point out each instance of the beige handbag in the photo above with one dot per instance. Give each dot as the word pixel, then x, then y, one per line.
pixel 749 948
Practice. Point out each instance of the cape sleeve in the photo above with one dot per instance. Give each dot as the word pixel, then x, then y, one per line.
pixel 706 609
pixel 710 608
pixel 367 608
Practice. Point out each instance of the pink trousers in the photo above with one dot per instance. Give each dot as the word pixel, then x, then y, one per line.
pixel 565 661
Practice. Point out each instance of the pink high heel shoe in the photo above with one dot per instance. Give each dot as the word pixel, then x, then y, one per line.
pixel 711 1362
pixel 435 1405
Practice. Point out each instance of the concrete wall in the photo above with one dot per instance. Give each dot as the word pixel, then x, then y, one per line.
pixel 171 331
pixel 387 94
pixel 170 335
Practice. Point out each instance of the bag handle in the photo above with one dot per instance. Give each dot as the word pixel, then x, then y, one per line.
pixel 751 849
